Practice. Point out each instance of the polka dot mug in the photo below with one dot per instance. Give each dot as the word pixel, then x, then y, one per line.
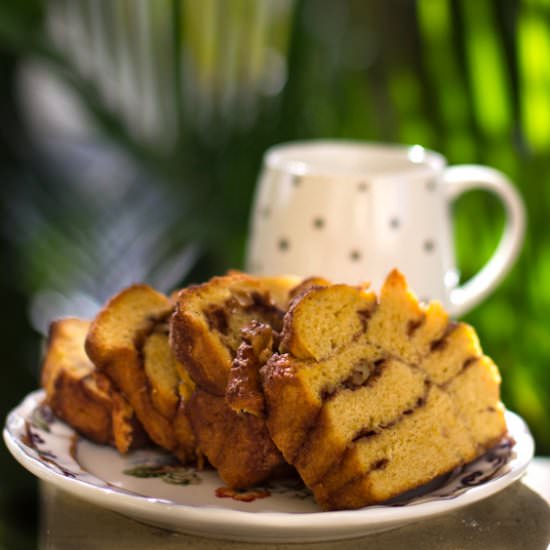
pixel 352 211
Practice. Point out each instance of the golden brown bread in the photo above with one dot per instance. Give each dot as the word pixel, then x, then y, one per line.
pixel 366 396
pixel 374 397
pixel 128 341
pixel 207 336
pixel 81 396
pixel 206 324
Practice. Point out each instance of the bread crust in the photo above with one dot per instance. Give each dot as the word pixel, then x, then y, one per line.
pixel 117 344
pixel 83 397
pixel 237 445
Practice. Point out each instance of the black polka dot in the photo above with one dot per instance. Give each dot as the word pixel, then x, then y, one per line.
pixel 318 223
pixel 355 255
pixel 362 186
pixel 429 245
pixel 394 223
pixel 431 185
pixel 283 244
pixel 296 181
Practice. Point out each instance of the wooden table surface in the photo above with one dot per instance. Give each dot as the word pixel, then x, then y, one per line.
pixel 516 518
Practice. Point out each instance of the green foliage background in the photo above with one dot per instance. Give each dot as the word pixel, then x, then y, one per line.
pixel 468 78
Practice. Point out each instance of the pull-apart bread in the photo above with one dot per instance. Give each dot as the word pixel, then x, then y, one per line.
pixel 207 336
pixel 80 395
pixel 371 397
pixel 366 396
pixel 128 341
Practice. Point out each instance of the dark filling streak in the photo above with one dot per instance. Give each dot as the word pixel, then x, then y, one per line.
pixel 357 379
pixel 161 327
pixel 380 464
pixel 376 372
pixel 365 434
pixel 439 345
pixel 151 324
pixel 159 317
pixel 420 402
pixel 259 305
pixel 263 301
pixel 268 311
pixel 414 325
pixel 468 363
pixel 216 318
pixel 256 302
pixel 277 336
pixel 364 317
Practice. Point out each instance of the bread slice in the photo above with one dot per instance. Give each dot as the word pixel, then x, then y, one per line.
pixel 220 327
pixel 376 396
pixel 231 429
pixel 205 329
pixel 81 396
pixel 128 342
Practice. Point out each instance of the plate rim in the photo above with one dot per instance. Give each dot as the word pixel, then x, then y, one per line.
pixel 338 521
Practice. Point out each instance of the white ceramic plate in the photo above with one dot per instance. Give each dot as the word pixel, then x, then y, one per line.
pixel 147 485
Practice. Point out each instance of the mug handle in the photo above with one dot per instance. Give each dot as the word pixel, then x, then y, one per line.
pixel 460 179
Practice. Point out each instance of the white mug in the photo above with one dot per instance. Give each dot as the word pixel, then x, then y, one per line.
pixel 352 211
